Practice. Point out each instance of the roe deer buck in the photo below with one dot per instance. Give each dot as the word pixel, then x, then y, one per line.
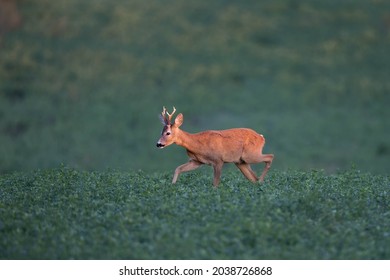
pixel 242 146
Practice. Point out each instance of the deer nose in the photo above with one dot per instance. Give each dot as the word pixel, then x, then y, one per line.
pixel 159 145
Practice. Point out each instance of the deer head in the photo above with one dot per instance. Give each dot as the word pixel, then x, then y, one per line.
pixel 168 134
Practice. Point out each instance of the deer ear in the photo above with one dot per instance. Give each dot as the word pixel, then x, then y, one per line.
pixel 179 120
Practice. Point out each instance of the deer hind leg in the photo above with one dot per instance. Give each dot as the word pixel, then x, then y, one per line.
pixel 191 165
pixel 253 158
pixel 268 161
pixel 246 169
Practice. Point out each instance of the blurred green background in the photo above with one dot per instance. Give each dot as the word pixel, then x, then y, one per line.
pixel 82 82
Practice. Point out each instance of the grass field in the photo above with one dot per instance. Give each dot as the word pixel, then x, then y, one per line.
pixel 68 214
pixel 82 82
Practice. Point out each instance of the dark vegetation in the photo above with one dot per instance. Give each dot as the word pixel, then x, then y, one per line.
pixel 68 214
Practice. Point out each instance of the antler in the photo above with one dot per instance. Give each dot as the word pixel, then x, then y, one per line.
pixel 164 119
pixel 171 114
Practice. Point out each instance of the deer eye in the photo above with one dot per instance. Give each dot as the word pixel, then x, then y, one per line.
pixel 168 133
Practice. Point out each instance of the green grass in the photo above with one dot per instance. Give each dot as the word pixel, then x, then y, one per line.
pixel 82 82
pixel 68 214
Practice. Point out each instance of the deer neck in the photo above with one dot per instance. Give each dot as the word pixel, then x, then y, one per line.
pixel 187 140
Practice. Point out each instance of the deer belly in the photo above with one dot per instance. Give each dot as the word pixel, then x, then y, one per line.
pixel 205 159
pixel 233 156
pixel 215 156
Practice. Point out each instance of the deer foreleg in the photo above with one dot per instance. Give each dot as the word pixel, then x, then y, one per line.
pixel 217 173
pixel 191 165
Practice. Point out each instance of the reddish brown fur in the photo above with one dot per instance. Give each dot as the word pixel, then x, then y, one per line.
pixel 242 146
